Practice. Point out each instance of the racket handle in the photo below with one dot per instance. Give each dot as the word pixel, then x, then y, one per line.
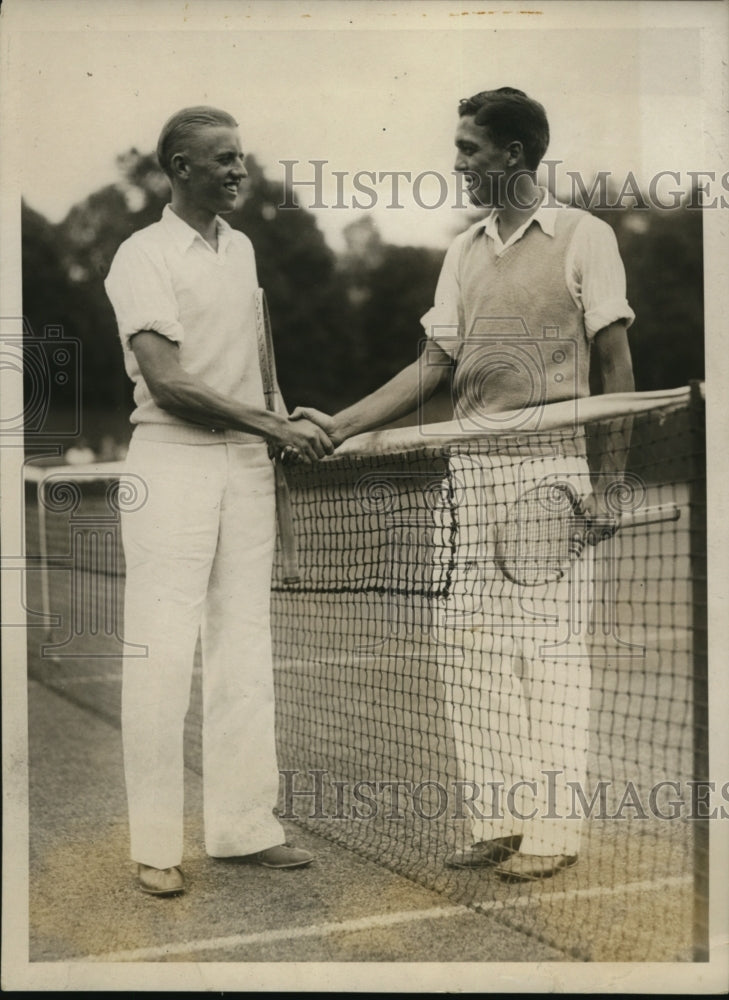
pixel 285 522
pixel 599 529
pixel 650 515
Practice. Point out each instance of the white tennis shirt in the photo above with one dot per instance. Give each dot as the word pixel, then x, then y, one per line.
pixel 168 279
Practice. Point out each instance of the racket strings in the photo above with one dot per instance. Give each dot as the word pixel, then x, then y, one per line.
pixel 544 531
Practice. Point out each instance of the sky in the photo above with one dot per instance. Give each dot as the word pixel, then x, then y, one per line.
pixel 364 92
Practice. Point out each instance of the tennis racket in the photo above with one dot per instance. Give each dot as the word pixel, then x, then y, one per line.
pixel 547 528
pixel 275 403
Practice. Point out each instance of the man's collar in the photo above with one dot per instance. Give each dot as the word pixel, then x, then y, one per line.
pixel 545 216
pixel 184 235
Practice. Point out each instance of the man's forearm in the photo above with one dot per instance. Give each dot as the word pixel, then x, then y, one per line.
pixel 398 397
pixel 613 436
pixel 617 378
pixel 191 399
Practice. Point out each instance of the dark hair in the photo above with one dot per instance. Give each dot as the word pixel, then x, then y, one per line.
pixel 509 114
pixel 178 129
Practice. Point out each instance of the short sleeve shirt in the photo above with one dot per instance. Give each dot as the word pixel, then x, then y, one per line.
pixel 168 279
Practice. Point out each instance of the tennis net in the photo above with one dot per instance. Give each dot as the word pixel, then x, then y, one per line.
pixel 426 700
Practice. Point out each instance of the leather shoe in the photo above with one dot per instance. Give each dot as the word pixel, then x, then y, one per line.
pixel 283 856
pixel 531 867
pixel 160 881
pixel 485 854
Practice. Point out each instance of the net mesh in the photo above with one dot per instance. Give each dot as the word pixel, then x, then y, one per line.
pixel 425 702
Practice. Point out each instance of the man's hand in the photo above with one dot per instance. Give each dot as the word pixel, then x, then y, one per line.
pixel 328 424
pixel 301 440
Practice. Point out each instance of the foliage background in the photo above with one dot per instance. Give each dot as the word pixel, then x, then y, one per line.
pixel 343 323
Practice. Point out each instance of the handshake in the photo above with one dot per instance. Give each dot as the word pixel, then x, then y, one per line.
pixel 306 436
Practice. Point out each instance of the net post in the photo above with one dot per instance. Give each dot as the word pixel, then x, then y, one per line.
pixel 43 553
pixel 697 543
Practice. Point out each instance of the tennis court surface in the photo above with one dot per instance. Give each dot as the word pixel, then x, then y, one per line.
pixel 370 663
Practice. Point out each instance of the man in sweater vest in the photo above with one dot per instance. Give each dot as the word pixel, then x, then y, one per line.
pixel 523 299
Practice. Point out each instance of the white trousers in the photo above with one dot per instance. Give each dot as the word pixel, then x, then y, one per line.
pixel 198 558
pixel 515 663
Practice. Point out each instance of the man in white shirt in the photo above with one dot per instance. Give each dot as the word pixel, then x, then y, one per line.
pixel 523 298
pixel 199 550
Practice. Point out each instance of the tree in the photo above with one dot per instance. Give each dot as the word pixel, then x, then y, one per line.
pixel 390 288
pixel 662 251
pixel 310 313
pixel 341 326
pixel 65 266
pixel 59 293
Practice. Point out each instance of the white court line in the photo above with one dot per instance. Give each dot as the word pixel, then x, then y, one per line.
pixel 285 934
pixel 685 881
pixel 369 923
